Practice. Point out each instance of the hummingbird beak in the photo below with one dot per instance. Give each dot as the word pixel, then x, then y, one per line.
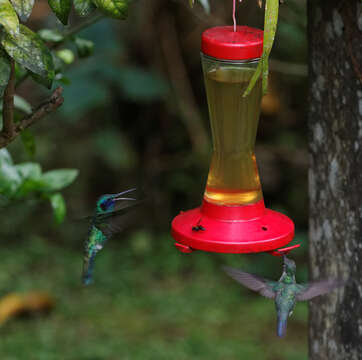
pixel 125 199
pixel 125 192
pixel 114 197
pixel 284 262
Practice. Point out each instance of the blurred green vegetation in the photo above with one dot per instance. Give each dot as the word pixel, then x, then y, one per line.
pixel 135 113
pixel 146 303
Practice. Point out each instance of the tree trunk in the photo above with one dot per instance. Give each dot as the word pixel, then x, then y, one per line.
pixel 335 177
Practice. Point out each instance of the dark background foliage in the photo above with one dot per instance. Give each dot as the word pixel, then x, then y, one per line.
pixel 135 113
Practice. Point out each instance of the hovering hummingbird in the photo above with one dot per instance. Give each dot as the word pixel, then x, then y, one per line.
pixel 105 222
pixel 285 292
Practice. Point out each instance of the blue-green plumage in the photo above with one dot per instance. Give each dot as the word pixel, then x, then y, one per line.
pixel 95 242
pixel 285 292
pixel 104 223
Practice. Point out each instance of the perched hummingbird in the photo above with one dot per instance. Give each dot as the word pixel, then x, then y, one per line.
pixel 285 292
pixel 105 222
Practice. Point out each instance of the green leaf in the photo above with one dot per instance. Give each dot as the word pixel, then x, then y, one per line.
pixel 84 47
pixel 22 105
pixel 10 179
pixel 51 35
pixel 58 64
pixel 61 9
pixel 62 79
pixel 114 8
pixel 41 80
pixel 4 71
pixel 26 187
pixel 205 4
pixel 30 174
pixel 23 8
pixel 58 179
pixel 8 18
pixel 29 50
pixel 58 205
pixel 20 71
pixel 29 170
pixel 28 141
pixel 65 55
pixel 5 157
pixel 83 7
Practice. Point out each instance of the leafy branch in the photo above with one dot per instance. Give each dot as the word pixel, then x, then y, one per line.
pixel 24 54
pixel 21 48
pixel 11 131
pixel 20 181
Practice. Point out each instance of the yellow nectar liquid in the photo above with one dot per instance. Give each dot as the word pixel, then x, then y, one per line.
pixel 233 176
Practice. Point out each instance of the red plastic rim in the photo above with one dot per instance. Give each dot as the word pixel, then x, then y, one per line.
pixel 222 42
pixel 263 230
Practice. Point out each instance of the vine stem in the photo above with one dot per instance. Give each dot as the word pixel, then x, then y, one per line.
pixel 8 104
pixel 78 28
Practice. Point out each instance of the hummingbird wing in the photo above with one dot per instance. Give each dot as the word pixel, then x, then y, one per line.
pixel 117 220
pixel 317 288
pixel 119 209
pixel 254 282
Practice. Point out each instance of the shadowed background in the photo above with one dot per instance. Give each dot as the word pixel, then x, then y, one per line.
pixel 135 113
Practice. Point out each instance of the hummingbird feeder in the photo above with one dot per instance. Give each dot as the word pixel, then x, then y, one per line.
pixel 232 217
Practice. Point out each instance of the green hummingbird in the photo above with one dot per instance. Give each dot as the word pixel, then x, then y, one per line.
pixel 108 219
pixel 285 292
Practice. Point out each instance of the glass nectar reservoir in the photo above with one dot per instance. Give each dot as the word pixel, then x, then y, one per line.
pixel 233 177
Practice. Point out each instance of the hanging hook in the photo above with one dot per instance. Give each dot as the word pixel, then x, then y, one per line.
pixel 234 11
pixel 283 251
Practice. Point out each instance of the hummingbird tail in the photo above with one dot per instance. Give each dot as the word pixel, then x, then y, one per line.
pixel 281 326
pixel 88 265
pixel 87 279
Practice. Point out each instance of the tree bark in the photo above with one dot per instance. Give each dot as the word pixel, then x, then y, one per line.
pixel 335 177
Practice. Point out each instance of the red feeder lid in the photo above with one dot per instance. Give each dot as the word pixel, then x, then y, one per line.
pixel 222 42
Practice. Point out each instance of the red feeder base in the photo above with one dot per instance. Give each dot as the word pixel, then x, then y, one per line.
pixel 231 229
